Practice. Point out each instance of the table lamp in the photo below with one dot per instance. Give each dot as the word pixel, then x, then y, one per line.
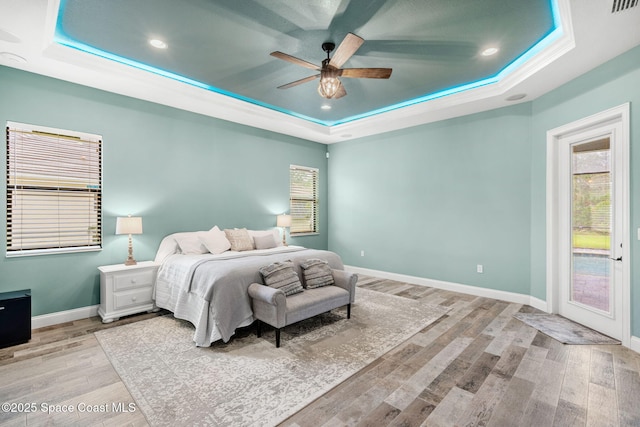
pixel 283 221
pixel 129 225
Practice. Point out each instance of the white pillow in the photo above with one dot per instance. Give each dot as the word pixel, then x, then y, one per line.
pixel 215 240
pixel 190 244
pixel 275 233
pixel 169 245
pixel 264 242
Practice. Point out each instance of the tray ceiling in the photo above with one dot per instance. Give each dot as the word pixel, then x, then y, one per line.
pixel 216 60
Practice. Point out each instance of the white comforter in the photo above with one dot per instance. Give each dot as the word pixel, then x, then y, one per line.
pixel 177 270
pixel 210 291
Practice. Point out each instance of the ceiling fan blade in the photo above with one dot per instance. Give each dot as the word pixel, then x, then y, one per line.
pixel 341 92
pixel 295 60
pixel 299 82
pixel 366 73
pixel 348 47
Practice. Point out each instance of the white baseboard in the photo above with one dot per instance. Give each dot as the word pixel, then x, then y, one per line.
pixel 634 344
pixel 63 316
pixel 455 287
pixel 539 304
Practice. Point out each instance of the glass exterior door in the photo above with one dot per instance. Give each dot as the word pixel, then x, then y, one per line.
pixel 592 291
pixel 588 228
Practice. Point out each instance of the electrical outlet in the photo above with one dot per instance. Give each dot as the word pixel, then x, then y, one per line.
pixel 479 268
pixel 361 253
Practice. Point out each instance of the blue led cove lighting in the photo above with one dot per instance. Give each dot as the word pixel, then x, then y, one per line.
pixel 62 38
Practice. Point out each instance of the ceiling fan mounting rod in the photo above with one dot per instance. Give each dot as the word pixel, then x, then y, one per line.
pixel 328 47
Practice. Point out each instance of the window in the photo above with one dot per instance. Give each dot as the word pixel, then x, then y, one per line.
pixel 54 181
pixel 303 190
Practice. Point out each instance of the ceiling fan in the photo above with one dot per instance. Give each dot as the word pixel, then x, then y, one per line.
pixel 330 86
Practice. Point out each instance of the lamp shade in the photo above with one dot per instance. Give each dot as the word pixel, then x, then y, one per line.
pixel 283 221
pixel 129 225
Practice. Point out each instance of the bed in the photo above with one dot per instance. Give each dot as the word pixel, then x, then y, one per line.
pixel 210 289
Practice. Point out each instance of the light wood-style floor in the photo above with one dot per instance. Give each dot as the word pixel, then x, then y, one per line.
pixel 477 365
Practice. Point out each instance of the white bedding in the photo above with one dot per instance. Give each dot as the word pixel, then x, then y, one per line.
pixel 177 270
pixel 210 291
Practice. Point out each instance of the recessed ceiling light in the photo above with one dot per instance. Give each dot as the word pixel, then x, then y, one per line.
pixel 516 97
pixel 157 43
pixel 490 51
pixel 326 107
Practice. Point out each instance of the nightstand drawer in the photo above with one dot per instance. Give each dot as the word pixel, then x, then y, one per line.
pixel 132 298
pixel 132 279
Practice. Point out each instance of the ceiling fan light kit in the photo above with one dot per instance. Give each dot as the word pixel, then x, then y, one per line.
pixel 329 83
pixel 330 86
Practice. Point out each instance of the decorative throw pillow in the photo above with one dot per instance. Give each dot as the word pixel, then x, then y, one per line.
pixel 260 233
pixel 190 244
pixel 264 242
pixel 239 239
pixel 215 240
pixel 281 275
pixel 316 273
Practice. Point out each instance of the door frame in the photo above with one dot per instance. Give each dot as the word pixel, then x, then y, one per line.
pixel 620 115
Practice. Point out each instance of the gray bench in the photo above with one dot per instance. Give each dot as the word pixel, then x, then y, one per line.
pixel 271 306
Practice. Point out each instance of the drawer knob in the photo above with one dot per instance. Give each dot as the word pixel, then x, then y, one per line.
pixel 1 308
pixel 133 298
pixel 133 280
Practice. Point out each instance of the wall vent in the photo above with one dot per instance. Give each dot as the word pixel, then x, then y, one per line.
pixel 620 5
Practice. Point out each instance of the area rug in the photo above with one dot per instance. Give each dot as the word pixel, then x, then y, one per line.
pixel 249 381
pixel 563 329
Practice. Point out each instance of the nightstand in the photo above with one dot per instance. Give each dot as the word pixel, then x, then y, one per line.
pixel 126 289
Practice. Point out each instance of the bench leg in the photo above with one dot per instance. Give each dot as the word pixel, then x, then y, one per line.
pixel 277 337
pixel 349 311
pixel 258 328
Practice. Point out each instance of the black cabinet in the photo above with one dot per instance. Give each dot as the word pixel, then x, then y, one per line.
pixel 15 317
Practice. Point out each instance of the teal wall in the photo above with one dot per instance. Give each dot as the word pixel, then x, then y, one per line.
pixel 178 170
pixel 435 200
pixel 430 201
pixel 610 85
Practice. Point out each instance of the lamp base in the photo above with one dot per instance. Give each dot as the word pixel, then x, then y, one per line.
pixel 130 260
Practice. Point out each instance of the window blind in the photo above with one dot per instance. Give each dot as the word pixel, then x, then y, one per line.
pixel 303 199
pixel 54 190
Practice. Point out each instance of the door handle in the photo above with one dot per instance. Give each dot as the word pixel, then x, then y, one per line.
pixel 616 259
